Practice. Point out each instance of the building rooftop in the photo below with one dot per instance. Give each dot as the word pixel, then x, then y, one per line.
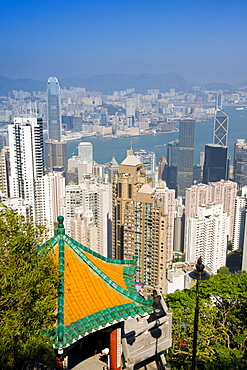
pixel 131 160
pixel 146 188
pixel 95 292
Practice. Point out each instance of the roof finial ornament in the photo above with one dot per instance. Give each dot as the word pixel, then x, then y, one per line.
pixel 60 226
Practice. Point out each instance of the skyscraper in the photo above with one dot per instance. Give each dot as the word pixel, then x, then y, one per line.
pixel 139 225
pixel 4 172
pixel 240 163
pixel 130 111
pixel 239 222
pixel 56 155
pixel 216 163
pixel 185 156
pixel 26 158
pixel 220 123
pixel 54 109
pixel 85 154
pixel 172 160
pixel 206 236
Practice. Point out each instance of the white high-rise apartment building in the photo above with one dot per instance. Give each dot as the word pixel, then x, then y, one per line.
pixel 83 229
pixel 239 220
pixel 244 258
pixel 225 191
pixel 49 198
pixel 195 196
pixel 4 172
pixel 95 197
pixel 73 199
pixel 26 158
pixel 206 236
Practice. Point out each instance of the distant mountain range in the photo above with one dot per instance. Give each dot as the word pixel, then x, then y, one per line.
pixel 107 83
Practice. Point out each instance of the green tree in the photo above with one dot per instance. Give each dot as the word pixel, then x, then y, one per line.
pixel 224 270
pixel 222 324
pixel 28 291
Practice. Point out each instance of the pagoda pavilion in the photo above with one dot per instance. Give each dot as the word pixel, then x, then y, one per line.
pixel 99 306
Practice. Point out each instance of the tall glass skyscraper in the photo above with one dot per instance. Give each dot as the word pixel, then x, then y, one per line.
pixel 216 163
pixel 220 123
pixel 240 163
pixel 185 156
pixel 54 109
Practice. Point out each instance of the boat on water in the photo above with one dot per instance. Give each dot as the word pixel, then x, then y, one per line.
pixel 240 108
pixel 159 146
pixel 77 135
pixel 109 136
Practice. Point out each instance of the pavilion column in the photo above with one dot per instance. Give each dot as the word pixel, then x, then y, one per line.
pixel 115 349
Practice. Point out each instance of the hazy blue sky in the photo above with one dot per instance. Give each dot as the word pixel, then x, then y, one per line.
pixel 204 41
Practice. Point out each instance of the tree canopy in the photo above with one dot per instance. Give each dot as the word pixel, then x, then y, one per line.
pixel 222 330
pixel 28 291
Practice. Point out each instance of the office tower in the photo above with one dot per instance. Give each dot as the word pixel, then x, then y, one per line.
pixel 85 154
pixel 4 172
pixel 206 236
pixel 68 121
pixel 149 161
pixel 83 162
pixel 138 222
pixel 54 109
pixel 56 155
pixel 185 156
pixel 167 197
pixel 216 163
pixel 240 163
pixel 220 123
pixel 239 222
pixel 26 158
pixel 172 160
pixel 130 111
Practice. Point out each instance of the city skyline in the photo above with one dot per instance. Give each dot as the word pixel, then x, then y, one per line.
pixel 202 41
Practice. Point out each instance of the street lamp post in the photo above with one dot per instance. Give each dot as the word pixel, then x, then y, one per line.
pixel 198 274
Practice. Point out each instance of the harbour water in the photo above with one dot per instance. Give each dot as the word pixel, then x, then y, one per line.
pixel 104 149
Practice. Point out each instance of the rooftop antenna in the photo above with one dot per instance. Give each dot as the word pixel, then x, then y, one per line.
pixel 130 151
